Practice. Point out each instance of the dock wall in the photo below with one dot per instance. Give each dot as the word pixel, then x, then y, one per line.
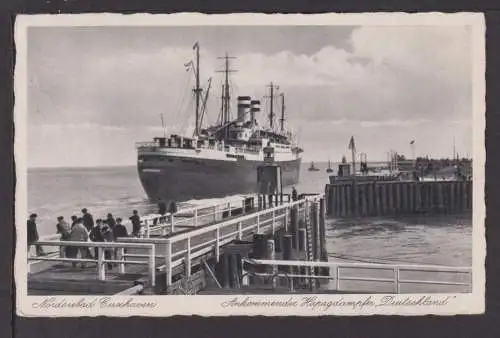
pixel 352 198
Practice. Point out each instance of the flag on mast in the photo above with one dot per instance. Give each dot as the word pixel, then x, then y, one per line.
pixel 412 142
pixel 352 146
pixel 188 65
pixel 195 45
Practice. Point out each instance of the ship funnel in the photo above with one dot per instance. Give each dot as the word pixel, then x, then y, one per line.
pixel 254 110
pixel 243 108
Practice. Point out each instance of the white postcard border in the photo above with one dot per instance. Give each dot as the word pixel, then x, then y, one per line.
pixel 268 305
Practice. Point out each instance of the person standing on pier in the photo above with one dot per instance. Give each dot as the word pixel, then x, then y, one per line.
pixel 294 194
pixel 96 236
pixel 74 220
pixel 109 253
pixel 172 208
pixel 110 220
pixel 63 229
pixel 78 234
pixel 136 223
pixel 33 235
pixel 162 208
pixel 88 220
pixel 119 231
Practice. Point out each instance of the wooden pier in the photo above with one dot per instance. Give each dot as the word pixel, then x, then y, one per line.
pixel 175 251
pixel 361 198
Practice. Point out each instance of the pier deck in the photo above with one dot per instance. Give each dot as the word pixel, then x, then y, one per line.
pixel 201 233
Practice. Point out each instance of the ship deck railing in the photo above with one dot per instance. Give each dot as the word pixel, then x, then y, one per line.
pixel 101 261
pixel 370 277
pixel 181 250
pixel 152 146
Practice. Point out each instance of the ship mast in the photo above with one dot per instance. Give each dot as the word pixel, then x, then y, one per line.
pixel 282 120
pixel 222 107
pixel 197 90
pixel 271 103
pixel 226 96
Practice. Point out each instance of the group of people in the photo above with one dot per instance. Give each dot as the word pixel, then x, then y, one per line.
pixel 83 229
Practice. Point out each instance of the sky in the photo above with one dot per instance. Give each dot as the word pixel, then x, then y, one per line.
pixel 95 91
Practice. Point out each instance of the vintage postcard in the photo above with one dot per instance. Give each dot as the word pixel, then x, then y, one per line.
pixel 256 164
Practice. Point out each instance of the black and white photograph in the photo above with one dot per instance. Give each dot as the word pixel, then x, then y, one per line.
pixel 263 164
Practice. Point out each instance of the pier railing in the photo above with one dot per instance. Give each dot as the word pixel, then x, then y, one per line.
pixel 191 216
pixel 183 248
pixel 188 217
pixel 362 272
pixel 196 216
pixel 101 261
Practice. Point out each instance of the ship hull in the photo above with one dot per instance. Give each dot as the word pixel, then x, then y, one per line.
pixel 181 179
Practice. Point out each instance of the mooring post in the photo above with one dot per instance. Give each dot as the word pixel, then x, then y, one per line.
pixel 287 256
pixel 226 269
pixel 234 281
pixel 294 221
pixel 259 252
pixel 271 255
pixel 278 240
pixel 302 240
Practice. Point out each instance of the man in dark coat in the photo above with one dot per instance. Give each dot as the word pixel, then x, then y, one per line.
pixel 162 208
pixel 172 208
pixel 109 253
pixel 110 220
pixel 119 231
pixel 96 236
pixel 136 223
pixel 294 194
pixel 74 220
pixel 88 220
pixel 33 235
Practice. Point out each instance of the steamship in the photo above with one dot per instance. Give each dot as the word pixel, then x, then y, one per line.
pixel 220 159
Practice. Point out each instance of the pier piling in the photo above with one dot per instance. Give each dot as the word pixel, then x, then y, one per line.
pixel 348 198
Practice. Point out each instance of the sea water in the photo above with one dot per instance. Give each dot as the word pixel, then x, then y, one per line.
pixel 443 240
